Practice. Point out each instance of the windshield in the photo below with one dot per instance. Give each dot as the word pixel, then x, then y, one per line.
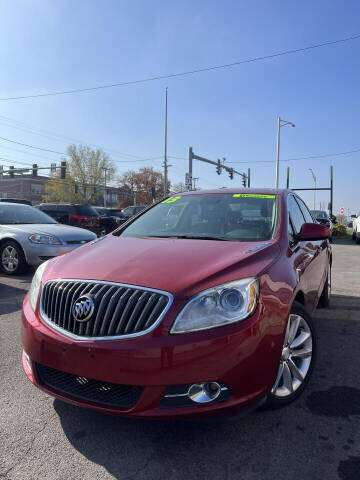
pixel 319 214
pixel 20 214
pixel 223 216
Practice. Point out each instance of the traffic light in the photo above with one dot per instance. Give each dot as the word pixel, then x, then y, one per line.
pixel 231 173
pixel 244 180
pixel 63 170
pixel 218 168
pixel 35 170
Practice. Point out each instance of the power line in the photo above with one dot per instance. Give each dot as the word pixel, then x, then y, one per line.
pixel 325 155
pixel 62 153
pixel 60 137
pixel 182 74
pixel 32 146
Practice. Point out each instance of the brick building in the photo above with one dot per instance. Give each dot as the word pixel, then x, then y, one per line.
pixel 24 187
pixel 32 188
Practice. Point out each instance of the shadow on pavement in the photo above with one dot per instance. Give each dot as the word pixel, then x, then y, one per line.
pixel 11 298
pixel 344 241
pixel 260 445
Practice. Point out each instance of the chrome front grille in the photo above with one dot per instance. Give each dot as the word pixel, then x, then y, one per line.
pixel 120 310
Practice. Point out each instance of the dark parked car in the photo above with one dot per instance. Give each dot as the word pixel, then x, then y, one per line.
pixel 15 200
pixel 324 218
pixel 117 212
pixel 83 216
pixel 131 211
pixel 109 221
pixel 208 312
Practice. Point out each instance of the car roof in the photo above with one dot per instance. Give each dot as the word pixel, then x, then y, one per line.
pixel 17 204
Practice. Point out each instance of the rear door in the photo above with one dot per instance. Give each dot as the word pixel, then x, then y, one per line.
pixel 319 250
pixel 302 254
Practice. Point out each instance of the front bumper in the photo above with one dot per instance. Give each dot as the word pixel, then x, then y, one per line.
pixel 35 254
pixel 244 357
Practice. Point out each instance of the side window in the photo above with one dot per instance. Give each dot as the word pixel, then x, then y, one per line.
pixel 291 233
pixel 305 211
pixel 64 209
pixel 297 218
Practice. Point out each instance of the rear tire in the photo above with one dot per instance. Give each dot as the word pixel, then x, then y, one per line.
pixel 297 359
pixel 357 238
pixel 12 258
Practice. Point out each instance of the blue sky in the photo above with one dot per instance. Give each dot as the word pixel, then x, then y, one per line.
pixel 57 45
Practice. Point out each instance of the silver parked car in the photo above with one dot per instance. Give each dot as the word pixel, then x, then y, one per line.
pixel 29 237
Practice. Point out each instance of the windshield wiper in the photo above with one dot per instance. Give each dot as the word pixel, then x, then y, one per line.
pixel 194 237
pixel 190 237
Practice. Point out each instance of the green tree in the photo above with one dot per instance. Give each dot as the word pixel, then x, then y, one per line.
pixel 85 176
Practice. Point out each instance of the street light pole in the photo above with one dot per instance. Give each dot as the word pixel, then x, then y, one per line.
pixel 314 177
pixel 278 152
pixel 165 147
pixel 280 123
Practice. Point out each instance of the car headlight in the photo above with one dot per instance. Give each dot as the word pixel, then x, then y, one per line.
pixel 218 306
pixel 36 284
pixel 44 238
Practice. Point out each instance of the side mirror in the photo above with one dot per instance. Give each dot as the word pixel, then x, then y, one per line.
pixel 314 231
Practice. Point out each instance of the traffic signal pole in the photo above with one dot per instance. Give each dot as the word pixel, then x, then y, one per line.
pixel 219 166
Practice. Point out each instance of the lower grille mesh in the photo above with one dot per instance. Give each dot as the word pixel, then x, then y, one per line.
pixel 83 388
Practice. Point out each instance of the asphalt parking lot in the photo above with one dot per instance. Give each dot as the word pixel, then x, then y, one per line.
pixel 317 437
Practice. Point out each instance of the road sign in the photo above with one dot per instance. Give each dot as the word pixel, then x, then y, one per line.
pixel 342 210
pixel 53 168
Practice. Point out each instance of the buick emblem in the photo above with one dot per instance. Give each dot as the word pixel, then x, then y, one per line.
pixel 83 308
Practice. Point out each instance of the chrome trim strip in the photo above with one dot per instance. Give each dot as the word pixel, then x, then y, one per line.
pixel 117 337
pixel 174 395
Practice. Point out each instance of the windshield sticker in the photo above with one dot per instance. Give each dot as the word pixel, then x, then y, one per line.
pixel 171 200
pixel 251 195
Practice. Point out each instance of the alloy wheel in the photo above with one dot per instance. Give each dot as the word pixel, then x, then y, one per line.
pixel 10 259
pixel 296 357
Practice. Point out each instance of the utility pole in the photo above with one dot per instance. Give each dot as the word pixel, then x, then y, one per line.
pixel 165 147
pixel 105 170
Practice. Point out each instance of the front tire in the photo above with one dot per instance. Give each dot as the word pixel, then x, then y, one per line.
pixel 297 358
pixel 12 258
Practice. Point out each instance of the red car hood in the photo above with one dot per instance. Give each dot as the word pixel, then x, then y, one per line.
pixel 179 266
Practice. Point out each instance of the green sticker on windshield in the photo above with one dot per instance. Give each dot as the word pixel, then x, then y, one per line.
pixel 171 200
pixel 252 195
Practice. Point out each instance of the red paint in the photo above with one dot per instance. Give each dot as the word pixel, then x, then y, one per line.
pixel 243 356
pixel 314 231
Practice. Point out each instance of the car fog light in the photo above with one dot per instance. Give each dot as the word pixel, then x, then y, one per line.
pixel 204 392
pixel 27 361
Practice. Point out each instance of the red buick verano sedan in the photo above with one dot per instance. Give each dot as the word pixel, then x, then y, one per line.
pixel 199 305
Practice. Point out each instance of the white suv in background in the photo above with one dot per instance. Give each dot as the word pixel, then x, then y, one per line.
pixel 356 229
